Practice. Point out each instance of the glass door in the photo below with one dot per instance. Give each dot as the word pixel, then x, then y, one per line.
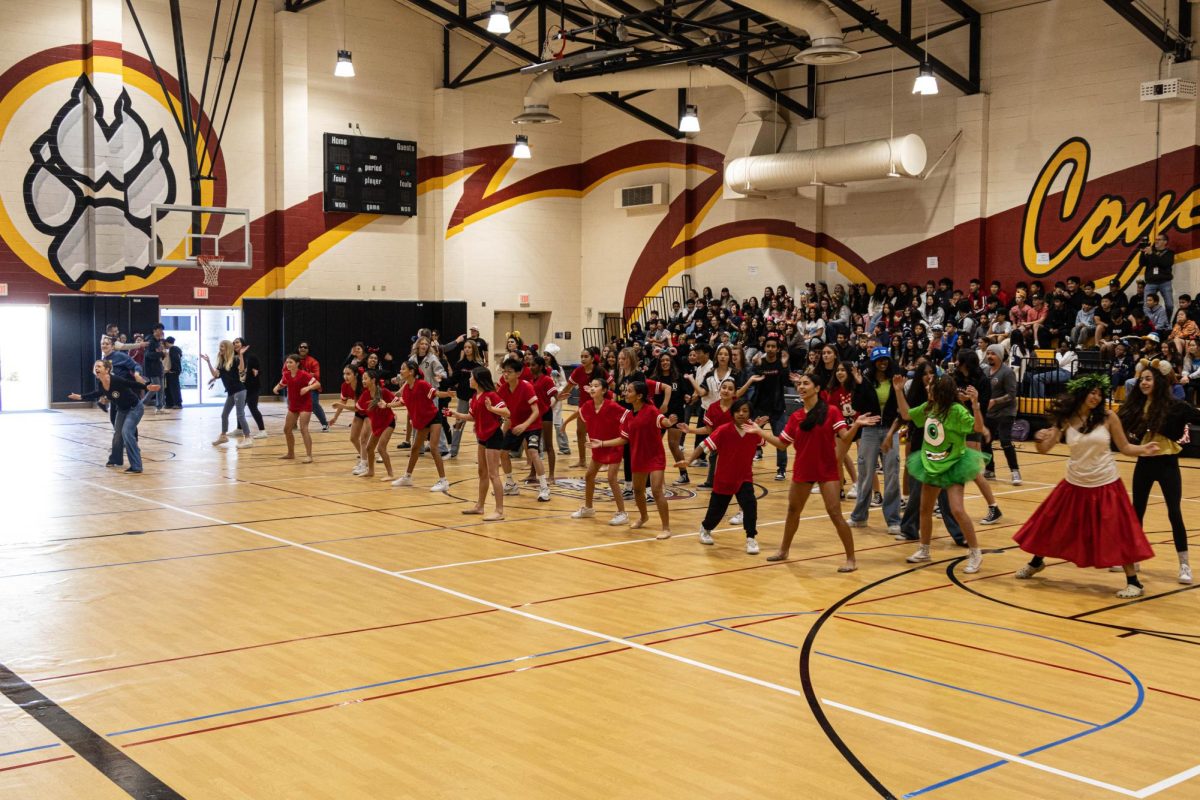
pixel 24 369
pixel 196 331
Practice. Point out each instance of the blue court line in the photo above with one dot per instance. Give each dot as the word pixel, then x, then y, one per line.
pixel 910 675
pixel 1138 702
pixel 29 749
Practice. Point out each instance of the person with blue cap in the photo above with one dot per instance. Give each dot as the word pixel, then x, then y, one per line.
pixel 876 397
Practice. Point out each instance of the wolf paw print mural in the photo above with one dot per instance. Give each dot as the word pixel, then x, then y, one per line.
pixel 87 140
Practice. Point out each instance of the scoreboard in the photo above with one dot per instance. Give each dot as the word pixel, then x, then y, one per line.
pixel 367 175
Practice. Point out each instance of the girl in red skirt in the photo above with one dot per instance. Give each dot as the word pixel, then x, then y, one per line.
pixel 1088 519
pixel 814 429
pixel 642 428
pixel 601 418
pixel 488 411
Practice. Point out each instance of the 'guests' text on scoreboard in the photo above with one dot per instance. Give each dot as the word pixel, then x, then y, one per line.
pixel 367 175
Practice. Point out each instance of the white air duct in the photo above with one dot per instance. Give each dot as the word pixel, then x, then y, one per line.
pixel 673 76
pixel 826 40
pixel 862 161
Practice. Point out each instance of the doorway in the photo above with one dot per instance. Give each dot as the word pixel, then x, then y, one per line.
pixel 24 368
pixel 196 331
pixel 532 326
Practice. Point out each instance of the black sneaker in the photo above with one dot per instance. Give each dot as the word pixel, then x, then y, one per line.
pixel 403 446
pixel 705 485
pixel 758 455
pixel 779 475
pixel 993 516
pixel 876 500
pixel 989 474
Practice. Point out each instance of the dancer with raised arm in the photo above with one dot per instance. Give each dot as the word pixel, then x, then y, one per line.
pixel 299 384
pixel 602 418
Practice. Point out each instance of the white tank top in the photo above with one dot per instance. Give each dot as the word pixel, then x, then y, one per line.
pixel 1091 463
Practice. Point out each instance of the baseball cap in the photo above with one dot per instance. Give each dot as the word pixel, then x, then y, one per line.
pixel 1152 336
pixel 880 352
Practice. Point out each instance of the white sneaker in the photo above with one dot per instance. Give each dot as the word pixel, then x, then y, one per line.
pixel 1130 591
pixel 544 494
pixel 736 519
pixel 511 489
pixel 1185 573
pixel 852 493
pixel 442 485
pixel 1016 477
pixel 260 435
pixel 922 554
pixel 220 440
pixel 816 489
pixel 245 441
pixel 360 468
pixel 1028 571
pixel 856 523
pixel 705 537
pixel 751 546
pixel 584 513
pixel 974 561
pixel 893 528
pixel 619 518
pixel 403 480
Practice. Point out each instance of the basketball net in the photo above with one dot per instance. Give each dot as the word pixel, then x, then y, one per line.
pixel 212 269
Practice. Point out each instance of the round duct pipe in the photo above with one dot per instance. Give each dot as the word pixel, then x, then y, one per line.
pixel 861 161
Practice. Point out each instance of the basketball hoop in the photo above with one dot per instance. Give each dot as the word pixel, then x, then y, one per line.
pixel 212 269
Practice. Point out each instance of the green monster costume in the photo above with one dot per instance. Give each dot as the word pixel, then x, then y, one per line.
pixel 944 459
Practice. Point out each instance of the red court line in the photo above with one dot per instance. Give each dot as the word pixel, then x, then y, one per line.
pixel 263 644
pixel 36 763
pixel 566 555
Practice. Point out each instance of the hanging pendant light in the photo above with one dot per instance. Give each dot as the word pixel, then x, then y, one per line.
pixel 521 148
pixel 925 83
pixel 345 66
pixel 690 121
pixel 498 19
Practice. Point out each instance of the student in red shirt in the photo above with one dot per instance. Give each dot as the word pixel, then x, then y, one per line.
pixel 375 401
pixel 299 384
pixel 488 411
pixel 589 367
pixel 601 417
pixel 737 441
pixel 814 429
pixel 420 399
pixel 839 394
pixel 523 429
pixel 641 429
pixel 359 432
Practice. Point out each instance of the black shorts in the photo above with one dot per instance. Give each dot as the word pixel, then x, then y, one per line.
pixel 548 416
pixel 517 443
pixel 975 437
pixel 359 415
pixel 495 441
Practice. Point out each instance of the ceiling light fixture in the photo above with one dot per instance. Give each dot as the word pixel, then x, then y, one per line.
pixel 690 121
pixel 925 83
pixel 521 148
pixel 344 68
pixel 498 19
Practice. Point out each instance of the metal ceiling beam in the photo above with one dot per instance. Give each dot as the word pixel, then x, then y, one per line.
pixel 1164 39
pixel 299 5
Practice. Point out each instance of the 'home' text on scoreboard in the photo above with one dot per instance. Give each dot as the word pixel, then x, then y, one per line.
pixel 367 175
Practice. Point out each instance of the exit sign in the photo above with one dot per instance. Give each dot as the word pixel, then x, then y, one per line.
pixel 3 290
pixel 200 293
pixel 523 300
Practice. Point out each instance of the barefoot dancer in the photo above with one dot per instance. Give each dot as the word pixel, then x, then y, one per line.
pixel 375 401
pixel 488 412
pixel 814 430
pixel 299 384
pixel 642 428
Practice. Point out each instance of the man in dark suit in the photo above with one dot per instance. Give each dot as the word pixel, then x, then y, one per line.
pixel 172 368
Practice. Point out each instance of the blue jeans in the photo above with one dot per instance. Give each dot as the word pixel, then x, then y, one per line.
pixel 1037 383
pixel 870 444
pixel 778 423
pixel 238 400
pixel 910 523
pixel 463 407
pixel 161 395
pixel 318 412
pixel 125 437
pixel 1166 292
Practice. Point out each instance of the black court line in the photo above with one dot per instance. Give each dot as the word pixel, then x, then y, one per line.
pixel 130 776
pixel 1143 599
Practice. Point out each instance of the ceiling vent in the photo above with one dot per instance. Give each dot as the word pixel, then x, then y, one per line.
pixel 640 196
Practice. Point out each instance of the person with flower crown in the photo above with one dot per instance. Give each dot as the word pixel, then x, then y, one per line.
pixel 1087 519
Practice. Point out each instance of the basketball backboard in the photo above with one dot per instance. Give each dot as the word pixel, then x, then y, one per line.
pixel 182 233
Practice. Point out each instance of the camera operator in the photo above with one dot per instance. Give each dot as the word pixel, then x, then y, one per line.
pixel 1159 262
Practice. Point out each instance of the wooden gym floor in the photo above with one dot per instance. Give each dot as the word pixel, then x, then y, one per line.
pixel 228 625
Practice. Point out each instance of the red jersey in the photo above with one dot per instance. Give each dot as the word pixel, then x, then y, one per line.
pixel 736 464
pixel 347 391
pixel 645 439
pixel 603 424
pixel 380 418
pixel 521 403
pixel 297 402
pixel 527 374
pixel 840 399
pixel 486 423
pixel 420 402
pixel 546 391
pixel 715 416
pixel 816 450
pixel 310 365
pixel 582 379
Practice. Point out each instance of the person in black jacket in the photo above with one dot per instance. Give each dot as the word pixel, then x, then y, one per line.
pixel 969 373
pixel 251 377
pixel 875 396
pixel 172 369
pixel 126 397
pixel 156 348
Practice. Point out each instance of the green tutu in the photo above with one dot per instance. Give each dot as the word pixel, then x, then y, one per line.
pixel 969 465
